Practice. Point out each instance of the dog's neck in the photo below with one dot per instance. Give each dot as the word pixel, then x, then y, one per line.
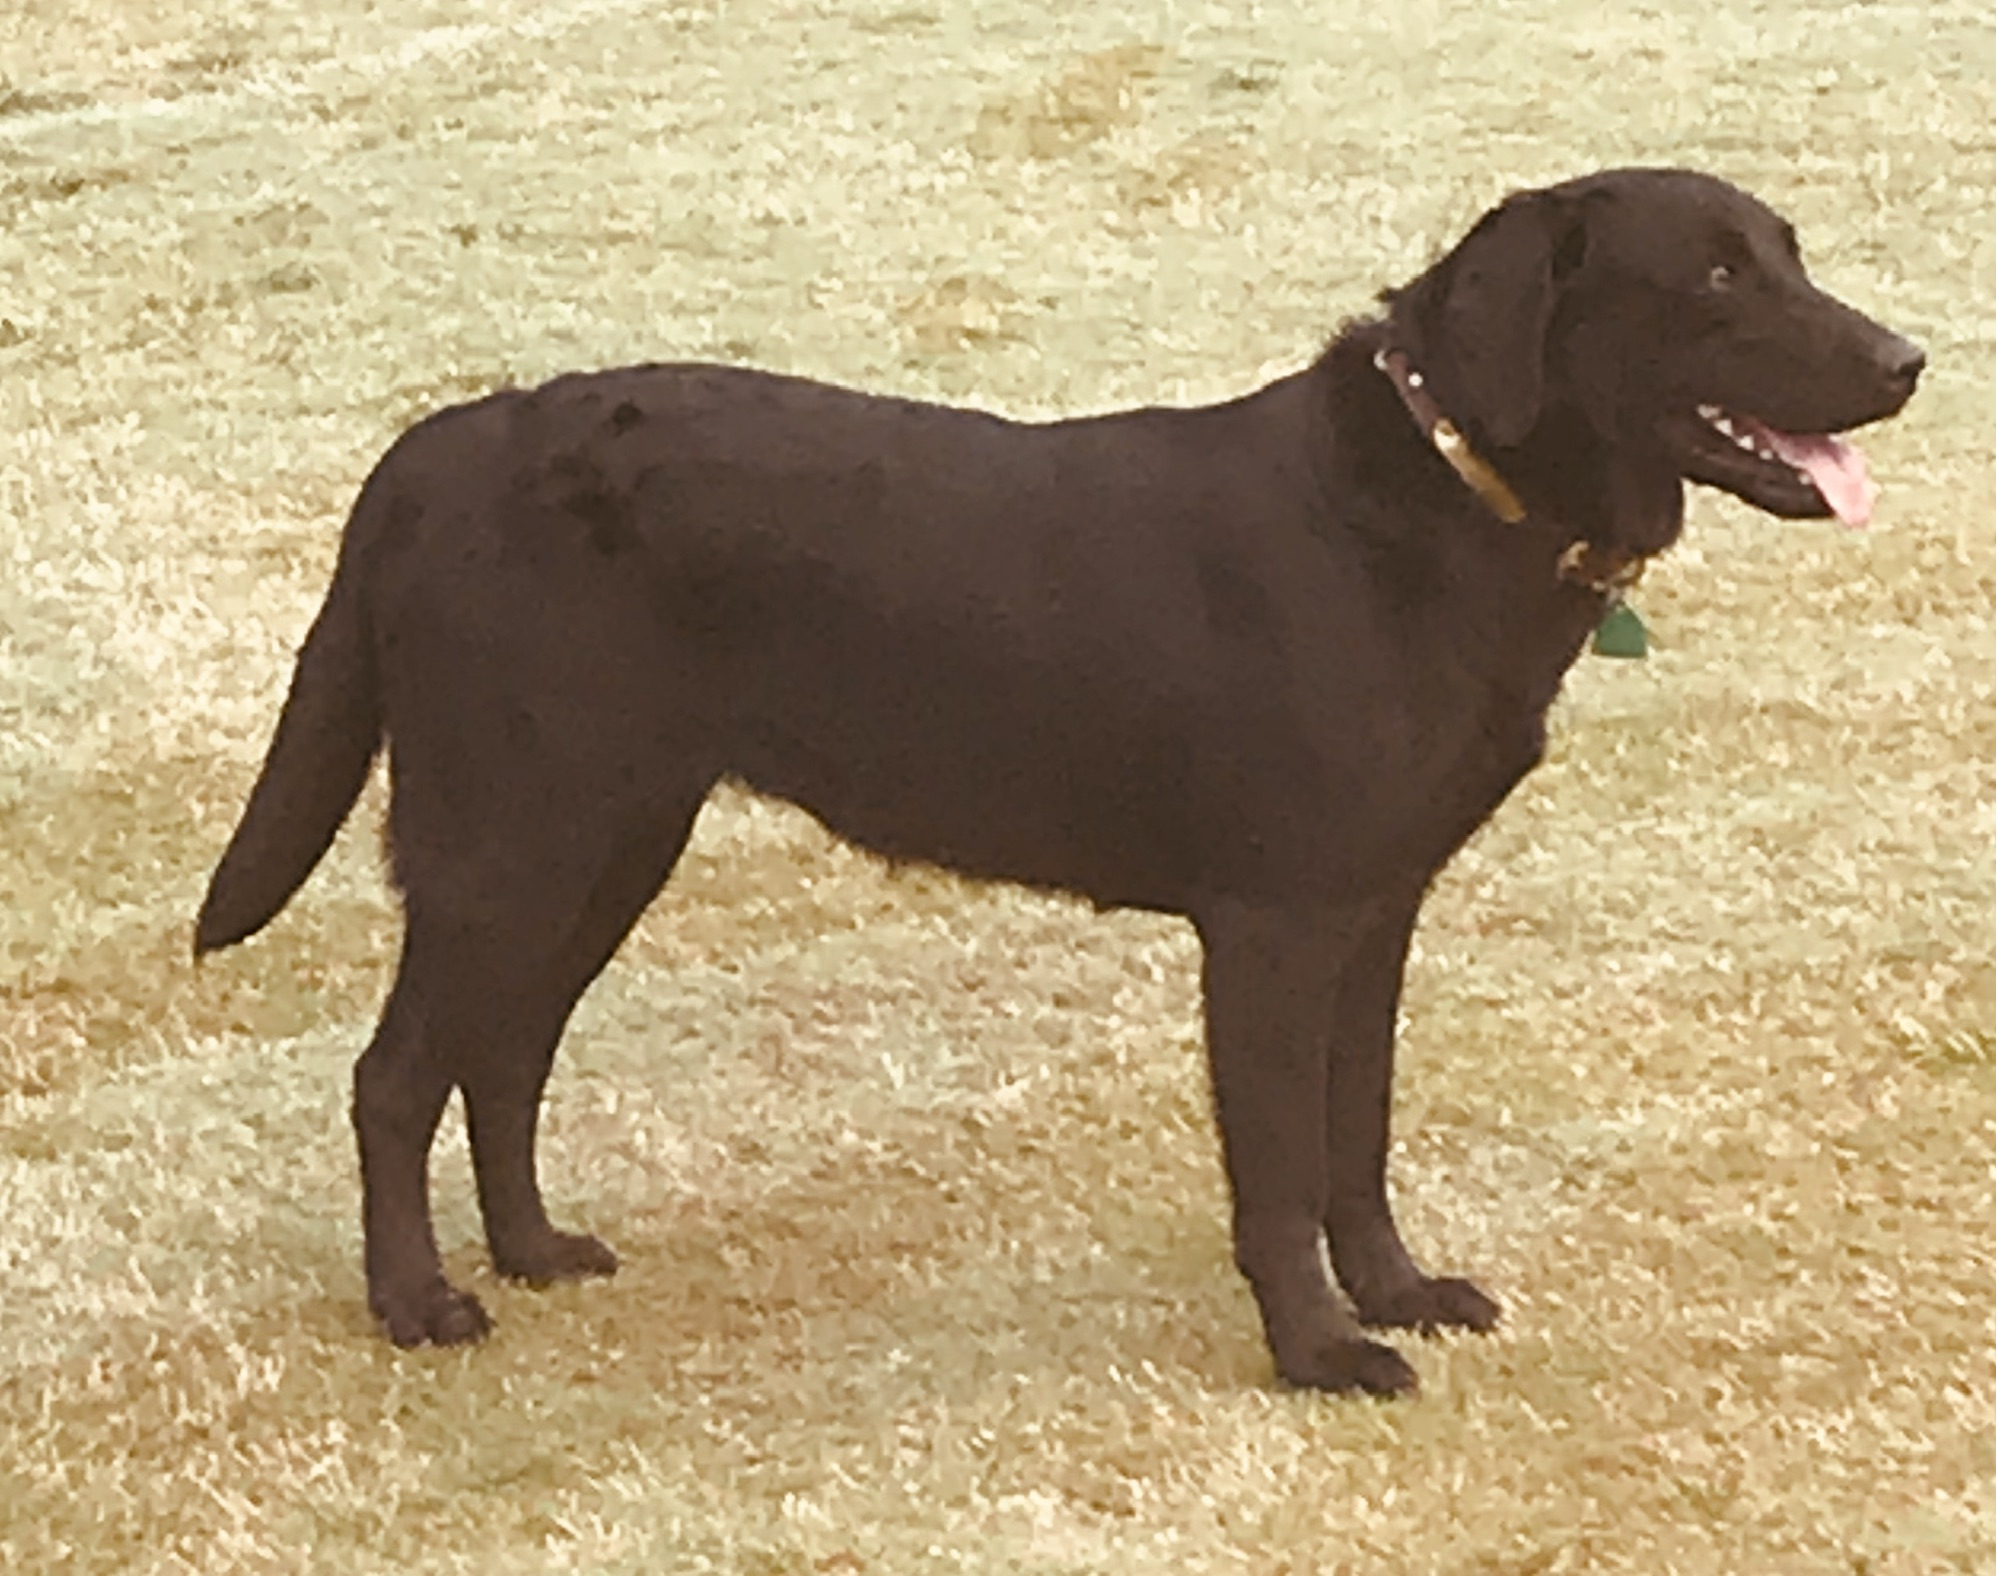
pixel 1606 570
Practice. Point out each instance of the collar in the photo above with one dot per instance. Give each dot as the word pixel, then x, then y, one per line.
pixel 1477 472
pixel 1606 572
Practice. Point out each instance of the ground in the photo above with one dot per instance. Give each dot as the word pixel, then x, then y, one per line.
pixel 921 1215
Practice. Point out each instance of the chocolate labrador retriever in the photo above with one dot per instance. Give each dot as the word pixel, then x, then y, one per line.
pixel 1264 664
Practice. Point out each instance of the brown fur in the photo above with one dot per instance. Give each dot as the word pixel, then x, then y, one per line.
pixel 1265 664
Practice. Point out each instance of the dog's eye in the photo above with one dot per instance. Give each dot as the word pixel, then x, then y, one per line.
pixel 1721 277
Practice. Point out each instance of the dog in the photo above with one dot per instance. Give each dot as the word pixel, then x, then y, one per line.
pixel 1263 664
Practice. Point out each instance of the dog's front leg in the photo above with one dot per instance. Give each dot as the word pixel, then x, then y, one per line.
pixel 1385 1284
pixel 1271 978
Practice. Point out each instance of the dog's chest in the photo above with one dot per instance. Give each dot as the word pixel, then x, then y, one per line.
pixel 1419 748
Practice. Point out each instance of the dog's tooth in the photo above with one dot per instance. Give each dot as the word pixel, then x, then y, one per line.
pixel 1709 412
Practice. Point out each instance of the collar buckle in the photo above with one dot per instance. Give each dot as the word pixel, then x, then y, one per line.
pixel 1608 574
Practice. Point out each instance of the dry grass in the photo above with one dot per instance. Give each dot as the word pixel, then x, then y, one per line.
pixel 921 1214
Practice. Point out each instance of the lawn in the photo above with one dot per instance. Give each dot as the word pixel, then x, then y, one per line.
pixel 920 1210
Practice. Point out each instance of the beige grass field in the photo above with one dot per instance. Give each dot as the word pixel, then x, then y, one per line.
pixel 923 1227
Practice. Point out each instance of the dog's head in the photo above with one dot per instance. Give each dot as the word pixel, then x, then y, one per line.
pixel 1665 316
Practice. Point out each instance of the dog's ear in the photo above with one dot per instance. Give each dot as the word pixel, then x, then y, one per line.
pixel 1502 283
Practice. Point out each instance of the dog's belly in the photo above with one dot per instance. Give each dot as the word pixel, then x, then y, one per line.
pixel 1130 802
pixel 987 784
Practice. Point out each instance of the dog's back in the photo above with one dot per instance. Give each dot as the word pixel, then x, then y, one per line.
pixel 1017 650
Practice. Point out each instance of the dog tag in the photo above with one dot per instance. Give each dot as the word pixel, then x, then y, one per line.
pixel 1621 633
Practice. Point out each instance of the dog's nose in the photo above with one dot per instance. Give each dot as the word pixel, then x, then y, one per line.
pixel 1902 360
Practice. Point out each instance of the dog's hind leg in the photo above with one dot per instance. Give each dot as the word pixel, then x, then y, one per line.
pixel 503 1081
pixel 400 1085
pixel 501 941
pixel 1373 1265
pixel 1270 982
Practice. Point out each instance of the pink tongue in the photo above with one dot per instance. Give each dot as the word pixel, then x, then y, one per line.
pixel 1836 467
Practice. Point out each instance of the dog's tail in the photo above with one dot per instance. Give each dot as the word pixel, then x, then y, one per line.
pixel 326 737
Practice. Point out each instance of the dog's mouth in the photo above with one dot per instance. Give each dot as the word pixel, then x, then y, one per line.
pixel 1796 475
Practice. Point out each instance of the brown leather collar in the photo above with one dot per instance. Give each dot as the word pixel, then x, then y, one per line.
pixel 1477 472
pixel 1608 573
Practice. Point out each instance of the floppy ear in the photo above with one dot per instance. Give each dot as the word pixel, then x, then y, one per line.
pixel 1502 282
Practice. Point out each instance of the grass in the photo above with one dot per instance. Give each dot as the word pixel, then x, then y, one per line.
pixel 920 1210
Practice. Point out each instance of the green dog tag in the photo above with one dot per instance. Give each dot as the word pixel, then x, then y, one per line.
pixel 1621 633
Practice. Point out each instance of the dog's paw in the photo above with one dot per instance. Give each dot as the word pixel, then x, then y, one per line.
pixel 559 1256
pixel 1429 1304
pixel 439 1315
pixel 1345 1367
